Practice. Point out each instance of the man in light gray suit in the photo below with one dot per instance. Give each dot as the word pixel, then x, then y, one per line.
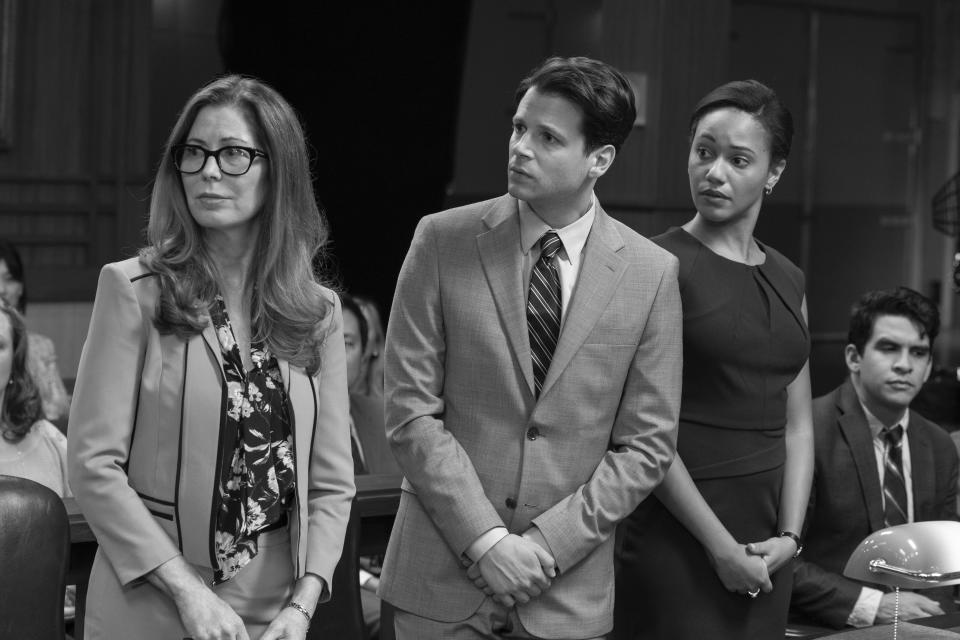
pixel 533 367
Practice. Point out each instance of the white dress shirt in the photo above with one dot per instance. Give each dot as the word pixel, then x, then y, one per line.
pixel 568 260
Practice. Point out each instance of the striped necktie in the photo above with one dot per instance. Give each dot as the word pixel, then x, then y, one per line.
pixel 543 308
pixel 894 487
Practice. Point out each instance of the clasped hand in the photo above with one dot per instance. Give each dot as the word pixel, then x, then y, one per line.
pixel 775 552
pixel 741 571
pixel 513 571
pixel 206 617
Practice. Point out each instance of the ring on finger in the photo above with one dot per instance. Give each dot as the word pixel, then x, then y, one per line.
pixel 754 593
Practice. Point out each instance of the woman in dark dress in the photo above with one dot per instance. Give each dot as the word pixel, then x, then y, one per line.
pixel 710 555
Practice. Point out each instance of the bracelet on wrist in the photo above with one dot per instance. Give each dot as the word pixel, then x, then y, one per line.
pixel 795 538
pixel 293 604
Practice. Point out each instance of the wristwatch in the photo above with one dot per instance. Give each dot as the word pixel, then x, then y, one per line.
pixel 796 538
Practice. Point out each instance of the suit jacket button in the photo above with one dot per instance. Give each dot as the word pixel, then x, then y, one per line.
pixel 511 503
pixel 533 433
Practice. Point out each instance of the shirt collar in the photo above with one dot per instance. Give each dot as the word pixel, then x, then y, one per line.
pixel 573 236
pixel 876 426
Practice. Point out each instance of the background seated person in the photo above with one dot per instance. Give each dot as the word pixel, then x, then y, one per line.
pixel 370 380
pixel 371 453
pixel 877 463
pixel 31 447
pixel 41 355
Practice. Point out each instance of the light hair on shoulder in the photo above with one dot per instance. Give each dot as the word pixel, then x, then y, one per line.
pixel 289 310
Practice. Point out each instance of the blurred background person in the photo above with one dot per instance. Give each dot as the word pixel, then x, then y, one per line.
pixel 709 555
pixel 209 435
pixel 370 380
pixel 41 356
pixel 371 453
pixel 31 447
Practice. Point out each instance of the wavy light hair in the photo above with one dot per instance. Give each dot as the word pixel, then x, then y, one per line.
pixel 21 400
pixel 289 311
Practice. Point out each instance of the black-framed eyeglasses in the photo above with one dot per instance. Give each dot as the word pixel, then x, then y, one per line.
pixel 232 160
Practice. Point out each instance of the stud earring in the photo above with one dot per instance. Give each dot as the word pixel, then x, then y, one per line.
pixel 768 189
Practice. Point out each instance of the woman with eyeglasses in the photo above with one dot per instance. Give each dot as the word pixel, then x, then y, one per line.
pixel 209 440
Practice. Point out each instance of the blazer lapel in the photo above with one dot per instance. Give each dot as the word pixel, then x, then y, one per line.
pixel 202 430
pixel 303 408
pixel 600 272
pixel 856 431
pixel 502 264
pixel 209 335
pixel 921 469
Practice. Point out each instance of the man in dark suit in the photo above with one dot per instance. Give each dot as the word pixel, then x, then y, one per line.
pixel 877 463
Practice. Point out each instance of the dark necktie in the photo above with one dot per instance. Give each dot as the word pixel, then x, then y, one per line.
pixel 543 308
pixel 894 488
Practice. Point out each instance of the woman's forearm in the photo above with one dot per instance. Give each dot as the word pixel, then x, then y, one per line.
pixel 307 591
pixel 680 495
pixel 798 469
pixel 176 578
pixel 737 570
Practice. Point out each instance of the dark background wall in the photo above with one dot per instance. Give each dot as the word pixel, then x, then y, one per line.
pixel 377 87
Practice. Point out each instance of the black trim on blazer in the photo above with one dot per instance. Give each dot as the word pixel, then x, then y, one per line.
pixel 136 402
pixel 165 516
pixel 296 462
pixel 157 500
pixel 144 275
pixel 215 494
pixel 176 486
pixel 313 437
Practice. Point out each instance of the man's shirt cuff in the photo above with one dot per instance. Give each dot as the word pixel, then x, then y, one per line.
pixel 485 542
pixel 864 612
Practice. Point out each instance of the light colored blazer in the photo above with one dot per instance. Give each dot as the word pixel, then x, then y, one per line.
pixel 479 451
pixel 144 432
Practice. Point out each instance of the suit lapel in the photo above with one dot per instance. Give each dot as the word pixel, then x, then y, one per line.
pixel 856 432
pixel 921 468
pixel 600 272
pixel 502 264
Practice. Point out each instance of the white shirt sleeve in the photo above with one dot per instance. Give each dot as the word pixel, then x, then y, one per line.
pixel 864 612
pixel 485 542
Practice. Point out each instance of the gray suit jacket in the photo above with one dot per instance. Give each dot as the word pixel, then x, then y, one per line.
pixel 845 504
pixel 478 450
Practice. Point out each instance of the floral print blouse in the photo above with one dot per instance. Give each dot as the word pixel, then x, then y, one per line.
pixel 256 466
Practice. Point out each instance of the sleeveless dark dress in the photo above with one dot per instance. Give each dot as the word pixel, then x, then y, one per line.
pixel 744 341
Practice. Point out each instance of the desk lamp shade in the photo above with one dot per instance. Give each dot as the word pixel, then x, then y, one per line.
pixel 917 555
